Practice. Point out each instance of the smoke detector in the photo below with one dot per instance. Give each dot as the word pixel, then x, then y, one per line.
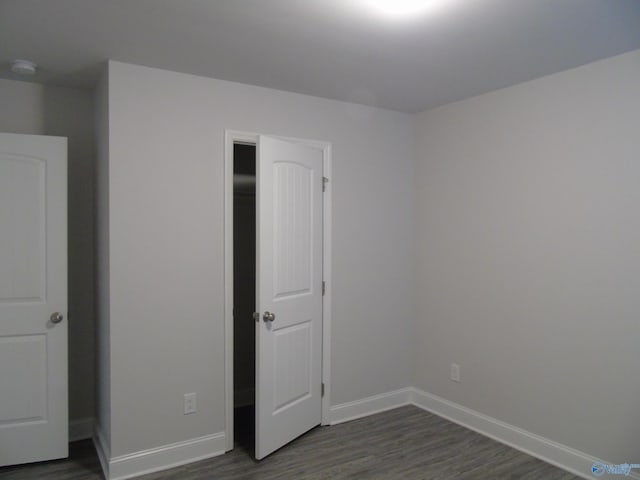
pixel 23 67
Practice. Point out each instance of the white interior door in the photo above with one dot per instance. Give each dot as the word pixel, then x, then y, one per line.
pixel 33 286
pixel 289 292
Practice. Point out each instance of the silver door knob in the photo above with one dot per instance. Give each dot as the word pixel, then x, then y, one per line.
pixel 269 317
pixel 56 317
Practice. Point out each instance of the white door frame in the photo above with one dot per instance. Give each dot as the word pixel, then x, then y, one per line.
pixel 231 137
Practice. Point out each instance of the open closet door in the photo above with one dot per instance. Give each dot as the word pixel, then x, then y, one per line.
pixel 289 292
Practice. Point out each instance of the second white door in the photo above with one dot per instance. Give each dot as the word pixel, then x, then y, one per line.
pixel 289 292
pixel 33 298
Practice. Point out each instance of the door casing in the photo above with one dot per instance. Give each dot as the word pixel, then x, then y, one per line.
pixel 235 136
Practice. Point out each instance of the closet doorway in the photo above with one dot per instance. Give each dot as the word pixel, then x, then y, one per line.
pixel 244 294
pixel 277 289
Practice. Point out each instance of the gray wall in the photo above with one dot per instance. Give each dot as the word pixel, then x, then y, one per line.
pixel 30 108
pixel 529 255
pixel 166 133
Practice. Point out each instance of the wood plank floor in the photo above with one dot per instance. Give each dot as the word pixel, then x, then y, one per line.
pixel 405 443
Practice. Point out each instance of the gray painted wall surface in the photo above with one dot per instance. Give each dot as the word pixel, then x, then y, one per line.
pixel 29 108
pixel 529 255
pixel 166 133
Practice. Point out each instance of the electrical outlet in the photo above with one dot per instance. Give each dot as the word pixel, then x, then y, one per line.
pixel 190 403
pixel 455 372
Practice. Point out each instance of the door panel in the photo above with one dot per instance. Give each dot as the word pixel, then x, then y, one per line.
pixel 292 216
pixel 289 285
pixel 33 285
pixel 22 252
pixel 292 366
pixel 24 390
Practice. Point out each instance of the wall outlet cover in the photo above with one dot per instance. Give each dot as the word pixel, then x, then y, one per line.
pixel 190 405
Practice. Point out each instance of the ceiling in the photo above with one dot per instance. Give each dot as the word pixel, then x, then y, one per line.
pixel 329 48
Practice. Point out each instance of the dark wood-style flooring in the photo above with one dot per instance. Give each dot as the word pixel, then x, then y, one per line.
pixel 405 443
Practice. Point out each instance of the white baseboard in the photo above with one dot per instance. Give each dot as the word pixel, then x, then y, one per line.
pixel 102 449
pixel 345 412
pixel 156 459
pixel 80 429
pixel 561 456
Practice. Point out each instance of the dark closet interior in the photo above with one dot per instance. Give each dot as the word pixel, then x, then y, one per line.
pixel 244 293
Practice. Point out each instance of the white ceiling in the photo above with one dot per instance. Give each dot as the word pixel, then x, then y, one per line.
pixel 328 48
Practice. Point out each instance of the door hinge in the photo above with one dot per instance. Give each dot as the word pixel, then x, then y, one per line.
pixel 324 287
pixel 322 390
pixel 325 180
